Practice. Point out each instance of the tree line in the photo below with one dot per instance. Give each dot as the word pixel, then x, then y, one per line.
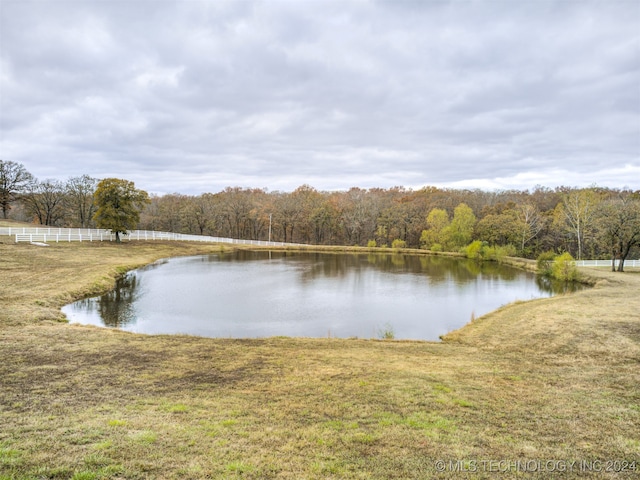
pixel 589 222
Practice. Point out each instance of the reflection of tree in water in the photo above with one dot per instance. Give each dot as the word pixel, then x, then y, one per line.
pixel 553 285
pixel 116 307
pixel 436 268
pixel 398 260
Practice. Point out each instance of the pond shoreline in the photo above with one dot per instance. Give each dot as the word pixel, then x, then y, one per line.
pixel 354 294
pixel 555 378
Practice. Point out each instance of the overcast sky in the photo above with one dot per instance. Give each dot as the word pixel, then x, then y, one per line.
pixel 194 96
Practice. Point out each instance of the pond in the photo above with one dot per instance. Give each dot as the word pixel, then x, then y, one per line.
pixel 248 294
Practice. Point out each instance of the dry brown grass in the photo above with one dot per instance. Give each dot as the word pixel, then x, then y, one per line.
pixel 551 379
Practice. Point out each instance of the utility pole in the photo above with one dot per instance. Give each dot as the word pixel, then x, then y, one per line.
pixel 270 227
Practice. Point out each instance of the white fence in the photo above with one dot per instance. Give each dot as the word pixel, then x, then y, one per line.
pixel 606 263
pixel 47 234
pixel 52 234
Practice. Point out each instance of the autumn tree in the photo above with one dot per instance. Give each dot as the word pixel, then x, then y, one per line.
pixel 292 212
pixel 323 219
pixel 235 206
pixel 359 215
pixel 257 223
pixel 171 212
pixel 403 215
pixel 199 213
pixel 202 211
pixel 150 217
pixel 14 179
pixel 310 201
pixel 118 205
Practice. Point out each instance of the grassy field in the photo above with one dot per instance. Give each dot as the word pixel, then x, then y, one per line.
pixel 544 383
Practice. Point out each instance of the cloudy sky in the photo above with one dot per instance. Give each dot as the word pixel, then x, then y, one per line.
pixel 194 96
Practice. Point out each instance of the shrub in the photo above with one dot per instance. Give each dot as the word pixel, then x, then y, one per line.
pixel 475 250
pixel 505 251
pixel 436 247
pixel 386 332
pixel 397 243
pixel 545 262
pixel 372 244
pixel 499 252
pixel 478 250
pixel 564 268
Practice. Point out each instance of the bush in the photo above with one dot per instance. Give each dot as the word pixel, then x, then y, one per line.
pixel 372 244
pixel 436 247
pixel 475 250
pixel 564 268
pixel 397 243
pixel 545 262
pixel 505 251
pixel 478 250
pixel 386 332
pixel 499 252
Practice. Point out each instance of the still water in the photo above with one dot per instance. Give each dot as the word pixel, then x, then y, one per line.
pixel 259 294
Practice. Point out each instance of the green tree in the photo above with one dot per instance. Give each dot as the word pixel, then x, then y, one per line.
pixel 14 179
pixel 460 230
pixel 500 229
pixel 118 205
pixel 437 222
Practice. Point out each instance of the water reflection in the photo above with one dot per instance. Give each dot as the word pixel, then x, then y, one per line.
pixel 258 293
pixel 116 308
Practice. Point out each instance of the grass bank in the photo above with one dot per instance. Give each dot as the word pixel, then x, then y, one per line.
pixel 551 380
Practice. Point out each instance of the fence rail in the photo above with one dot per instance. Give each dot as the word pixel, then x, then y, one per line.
pixel 46 234
pixel 605 263
pixel 53 234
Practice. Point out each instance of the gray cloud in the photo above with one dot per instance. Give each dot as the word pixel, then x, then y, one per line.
pixel 196 96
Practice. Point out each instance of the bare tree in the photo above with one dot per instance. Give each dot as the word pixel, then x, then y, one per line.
pixel 45 202
pixel 79 199
pixel 530 222
pixel 14 179
pixel 619 225
pixel 199 213
pixel 579 209
pixel 235 205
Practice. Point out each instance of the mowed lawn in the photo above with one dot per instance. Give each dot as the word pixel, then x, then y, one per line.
pixel 520 393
